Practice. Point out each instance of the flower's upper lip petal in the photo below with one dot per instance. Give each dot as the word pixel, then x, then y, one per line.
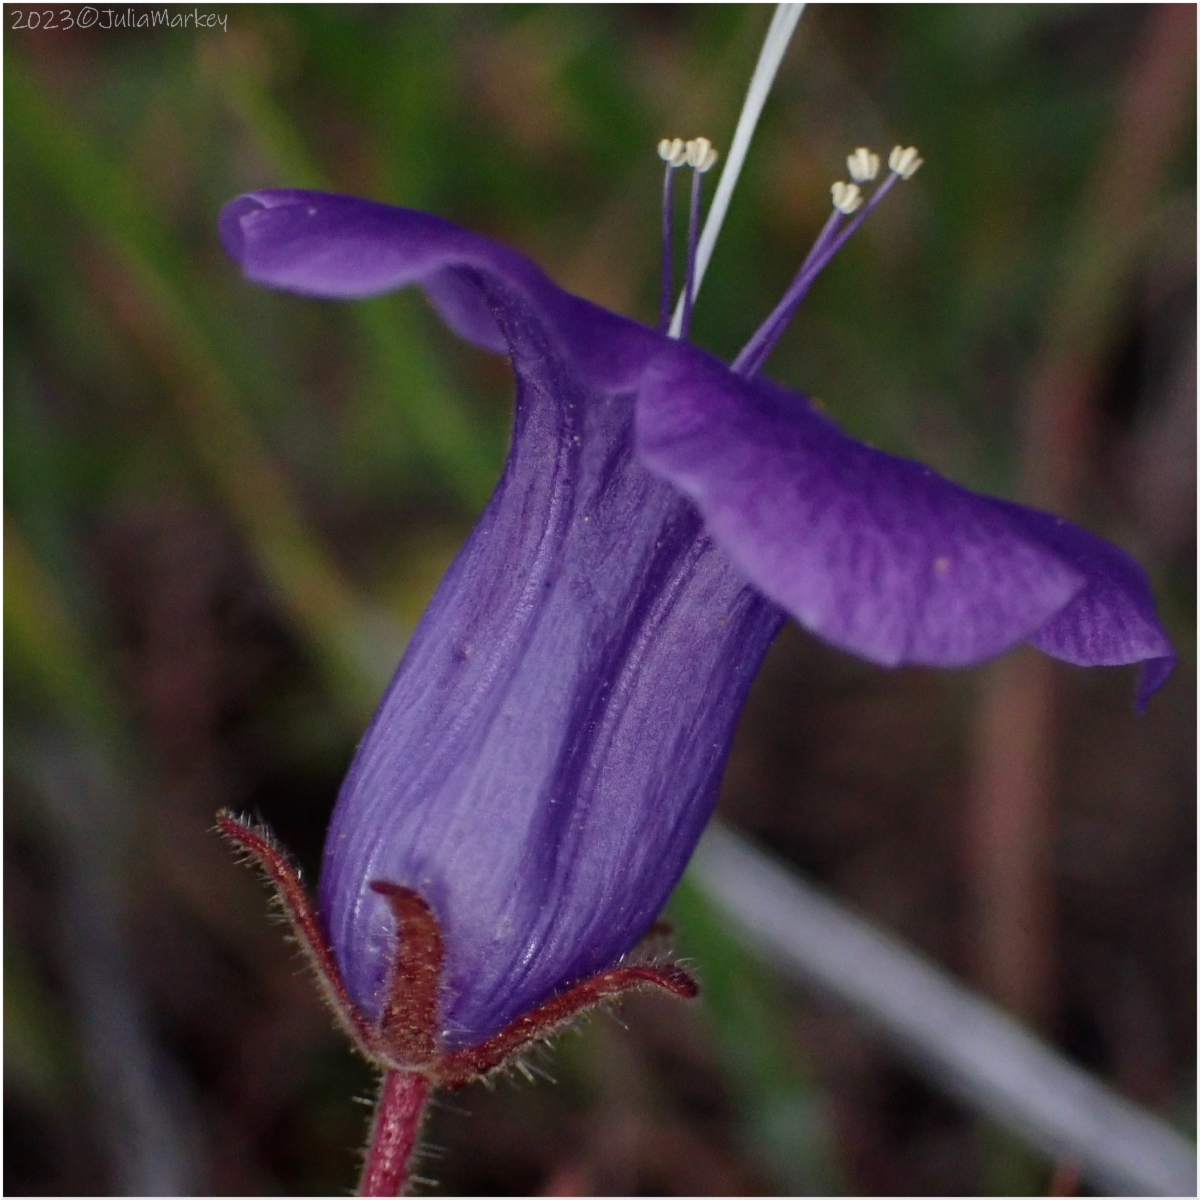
pixel 877 554
pixel 343 247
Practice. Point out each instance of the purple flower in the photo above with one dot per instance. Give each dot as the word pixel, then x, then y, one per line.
pixel 549 750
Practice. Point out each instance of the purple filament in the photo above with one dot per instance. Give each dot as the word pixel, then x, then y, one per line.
pixel 828 243
pixel 751 356
pixel 664 295
pixel 689 281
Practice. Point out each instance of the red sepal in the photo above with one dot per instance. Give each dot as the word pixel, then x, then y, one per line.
pixel 472 1062
pixel 407 1029
pixel 258 843
pixel 404 1042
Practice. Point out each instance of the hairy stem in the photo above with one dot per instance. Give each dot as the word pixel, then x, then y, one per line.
pixel 393 1133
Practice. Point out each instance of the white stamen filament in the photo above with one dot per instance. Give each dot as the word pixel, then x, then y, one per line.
pixel 904 161
pixel 783 23
pixel 862 165
pixel 846 197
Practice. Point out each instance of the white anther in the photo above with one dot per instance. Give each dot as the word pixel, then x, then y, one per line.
pixel 846 197
pixel 700 154
pixel 862 165
pixel 673 151
pixel 905 162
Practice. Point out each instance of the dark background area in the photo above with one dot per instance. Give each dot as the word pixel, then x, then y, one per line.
pixel 225 508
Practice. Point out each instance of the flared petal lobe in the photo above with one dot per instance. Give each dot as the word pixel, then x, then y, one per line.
pixel 549 750
pixel 877 554
pixel 341 247
pixel 1109 622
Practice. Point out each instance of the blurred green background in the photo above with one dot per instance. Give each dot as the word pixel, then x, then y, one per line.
pixel 225 509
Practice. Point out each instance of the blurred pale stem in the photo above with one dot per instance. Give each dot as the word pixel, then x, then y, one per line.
pixel 954 1038
pixel 88 821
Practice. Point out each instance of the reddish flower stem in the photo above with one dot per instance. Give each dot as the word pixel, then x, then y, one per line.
pixel 393 1133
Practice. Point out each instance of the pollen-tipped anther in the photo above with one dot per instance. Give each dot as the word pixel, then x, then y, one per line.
pixel 905 161
pixel 673 151
pixel 700 154
pixel 846 197
pixel 862 165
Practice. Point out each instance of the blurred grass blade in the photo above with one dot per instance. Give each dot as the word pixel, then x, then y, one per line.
pixel 424 402
pixel 85 815
pixel 145 293
pixel 38 629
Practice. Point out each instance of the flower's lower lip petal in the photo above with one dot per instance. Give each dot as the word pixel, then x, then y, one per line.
pixel 1112 620
pixel 877 554
pixel 1154 673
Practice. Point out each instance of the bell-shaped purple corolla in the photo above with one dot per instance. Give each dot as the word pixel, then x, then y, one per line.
pixel 549 750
